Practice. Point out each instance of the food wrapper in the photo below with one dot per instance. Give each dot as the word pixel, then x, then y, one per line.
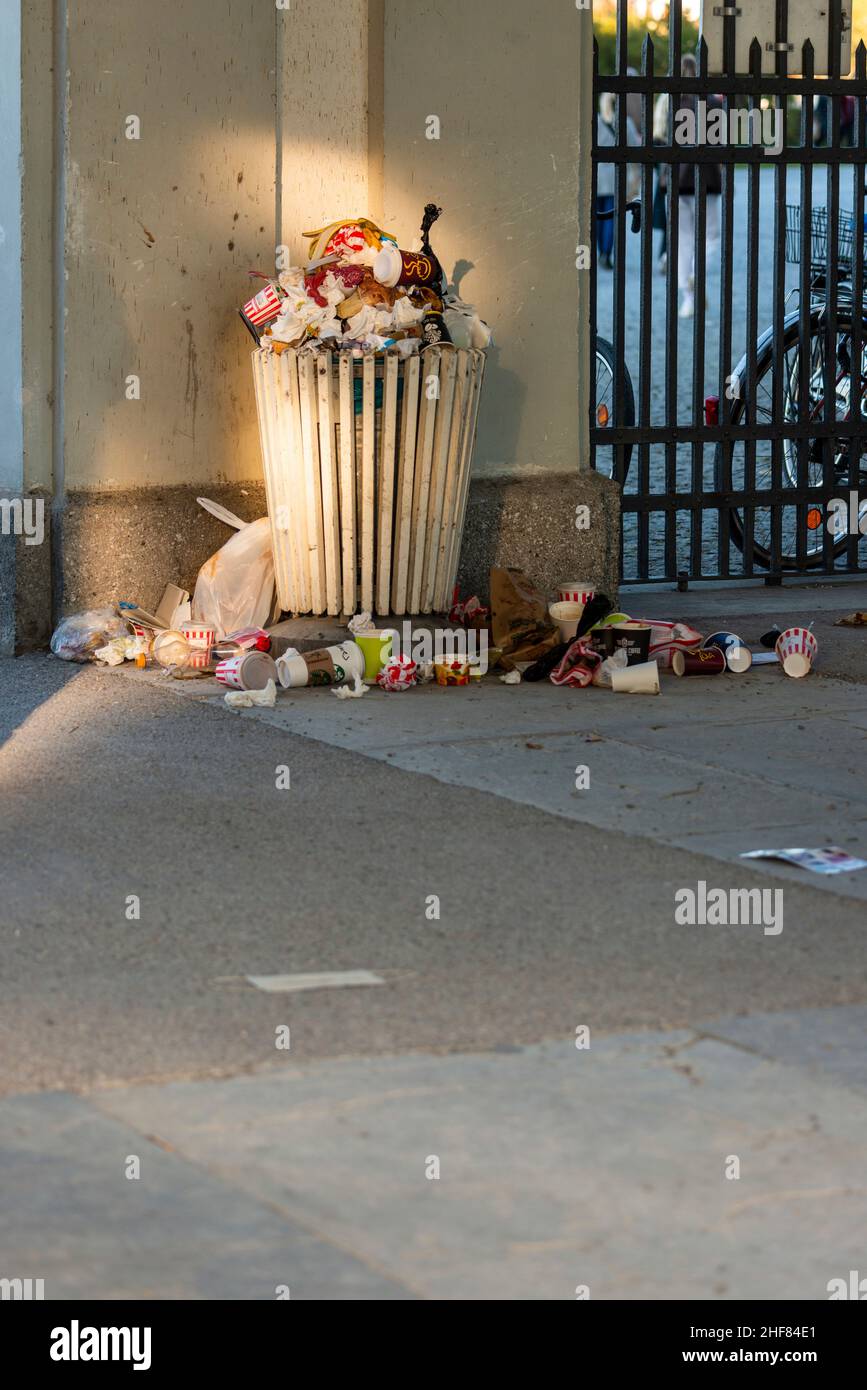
pixel 578 666
pixel 520 624
pixel 470 611
pixel 399 673
pixel 452 672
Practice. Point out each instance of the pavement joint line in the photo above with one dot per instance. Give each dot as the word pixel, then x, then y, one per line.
pixel 266 1203
pixel 759 867
pixel 671 755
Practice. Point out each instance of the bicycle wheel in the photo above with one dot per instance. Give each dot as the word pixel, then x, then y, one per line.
pixel 801 526
pixel 606 414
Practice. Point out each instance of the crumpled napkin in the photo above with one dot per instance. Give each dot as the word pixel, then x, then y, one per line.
pixel 353 692
pixel 247 699
pixel 362 622
pixel 618 662
pixel 121 649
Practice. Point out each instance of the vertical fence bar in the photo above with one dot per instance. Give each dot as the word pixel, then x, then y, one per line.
pixel 832 270
pixel 671 294
pixel 646 333
pixel 726 289
pixel 594 255
pixel 779 284
pixel 856 381
pixel 754 198
pixel 618 332
pixel 700 184
pixel 805 314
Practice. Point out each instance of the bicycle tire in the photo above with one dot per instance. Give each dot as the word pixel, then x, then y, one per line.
pixel 605 355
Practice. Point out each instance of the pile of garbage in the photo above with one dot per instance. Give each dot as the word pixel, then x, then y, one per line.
pixel 360 293
pixel 228 632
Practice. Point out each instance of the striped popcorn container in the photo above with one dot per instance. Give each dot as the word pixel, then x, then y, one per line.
pixel 198 635
pixel 797 649
pixel 248 671
pixel 576 593
pixel 264 306
pixel 199 659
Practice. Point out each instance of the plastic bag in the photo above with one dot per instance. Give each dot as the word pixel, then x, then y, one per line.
pixel 79 636
pixel 235 588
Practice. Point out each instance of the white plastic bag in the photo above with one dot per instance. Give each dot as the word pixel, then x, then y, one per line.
pixel 235 588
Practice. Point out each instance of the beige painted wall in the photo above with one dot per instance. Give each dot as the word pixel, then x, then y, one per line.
pixel 159 232
pixel 323 148
pixel 159 235
pixel 504 78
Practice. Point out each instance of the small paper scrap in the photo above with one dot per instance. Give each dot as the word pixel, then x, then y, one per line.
pixel 818 861
pixel 332 979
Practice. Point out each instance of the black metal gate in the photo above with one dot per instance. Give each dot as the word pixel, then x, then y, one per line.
pixel 739 452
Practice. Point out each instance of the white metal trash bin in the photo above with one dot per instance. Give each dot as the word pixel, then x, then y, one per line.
pixel 367 469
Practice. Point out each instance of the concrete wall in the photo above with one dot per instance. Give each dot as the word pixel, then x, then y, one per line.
pixel 323 119
pixel 260 119
pixel 159 234
pixel 504 79
pixel 11 433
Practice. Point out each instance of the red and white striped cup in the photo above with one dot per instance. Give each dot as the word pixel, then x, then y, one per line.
pixel 249 671
pixel 797 649
pixel 576 593
pixel 199 659
pixel 199 635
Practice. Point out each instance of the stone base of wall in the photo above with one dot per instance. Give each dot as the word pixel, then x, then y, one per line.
pixel 26 586
pixel 129 545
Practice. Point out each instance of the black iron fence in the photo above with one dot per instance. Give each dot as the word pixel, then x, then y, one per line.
pixel 730 393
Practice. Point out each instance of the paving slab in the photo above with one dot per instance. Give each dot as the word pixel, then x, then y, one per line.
pixel 557 1167
pixel 71 1216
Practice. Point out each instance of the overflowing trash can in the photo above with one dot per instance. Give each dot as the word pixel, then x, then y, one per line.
pixel 367 463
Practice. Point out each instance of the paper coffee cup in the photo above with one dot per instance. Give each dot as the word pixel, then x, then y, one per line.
pixel 634 638
pixel 377 644
pixel 636 680
pixel 711 662
pixel 738 657
pixel 566 615
pixel 797 649
pixel 249 671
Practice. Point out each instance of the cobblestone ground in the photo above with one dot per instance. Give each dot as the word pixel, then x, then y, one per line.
pixel 713 368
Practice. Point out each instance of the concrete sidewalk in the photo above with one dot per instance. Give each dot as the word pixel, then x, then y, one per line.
pixel 307 1168
pixel 655 1166
pixel 720 766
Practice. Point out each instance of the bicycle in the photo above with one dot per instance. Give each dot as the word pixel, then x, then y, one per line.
pixel 801 520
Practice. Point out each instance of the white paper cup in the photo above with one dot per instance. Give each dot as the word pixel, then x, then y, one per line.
pixel 636 680
pixel 739 659
pixel 797 649
pixel 567 617
pixel 249 671
pixel 577 592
